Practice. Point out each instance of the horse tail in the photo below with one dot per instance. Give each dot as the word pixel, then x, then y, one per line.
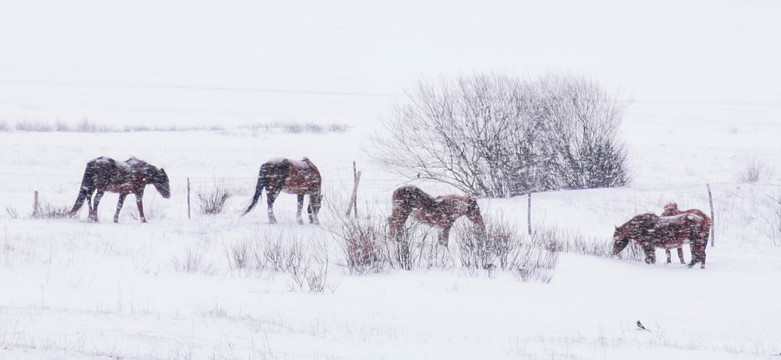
pixel 86 188
pixel 262 175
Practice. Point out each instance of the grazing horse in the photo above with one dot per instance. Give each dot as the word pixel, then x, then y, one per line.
pixel 128 177
pixel 293 177
pixel 671 209
pixel 441 211
pixel 651 231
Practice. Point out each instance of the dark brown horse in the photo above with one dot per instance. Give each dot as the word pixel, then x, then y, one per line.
pixel 671 209
pixel 128 177
pixel 441 211
pixel 651 231
pixel 293 177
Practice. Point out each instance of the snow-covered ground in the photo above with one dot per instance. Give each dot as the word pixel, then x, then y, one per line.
pixel 219 89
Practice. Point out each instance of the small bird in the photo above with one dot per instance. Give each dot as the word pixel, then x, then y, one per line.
pixel 640 326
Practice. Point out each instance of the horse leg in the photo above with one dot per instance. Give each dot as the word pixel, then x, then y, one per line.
pixel 396 221
pixel 669 256
pixel 650 254
pixel 680 255
pixel 300 219
pixel 311 213
pixel 271 196
pixel 444 236
pixel 139 202
pixel 698 254
pixel 93 212
pixel 89 205
pixel 315 202
pixel 119 206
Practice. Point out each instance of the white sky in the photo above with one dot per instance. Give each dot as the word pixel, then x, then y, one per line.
pixel 664 50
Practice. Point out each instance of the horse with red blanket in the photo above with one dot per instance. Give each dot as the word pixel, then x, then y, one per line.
pixel 299 177
pixel 123 177
pixel 671 209
pixel 440 212
pixel 651 231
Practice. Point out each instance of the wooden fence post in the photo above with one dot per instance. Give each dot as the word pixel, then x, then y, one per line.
pixel 712 217
pixel 36 206
pixel 353 205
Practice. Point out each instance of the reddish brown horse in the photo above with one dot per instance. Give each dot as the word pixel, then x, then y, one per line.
pixel 128 177
pixel 441 211
pixel 293 177
pixel 651 231
pixel 671 209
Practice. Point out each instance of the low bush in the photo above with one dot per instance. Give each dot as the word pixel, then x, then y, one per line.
pixel 305 261
pixel 47 210
pixel 753 169
pixel 362 244
pixel 213 202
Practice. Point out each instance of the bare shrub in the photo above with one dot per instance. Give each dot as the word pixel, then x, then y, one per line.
pixel 774 227
pixel 368 249
pixel 239 255
pixel 275 256
pixel 415 247
pixel 306 265
pixel 33 126
pixel 47 210
pixel 136 128
pixel 361 241
pixel 335 128
pixel 476 250
pixel 4 126
pixel 496 136
pixel 87 126
pixel 12 212
pixel 213 202
pixel 296 263
pixel 316 279
pixel 62 126
pixel 754 169
pixel 191 262
pixel 502 248
pixel 296 128
pixel 558 240
pixel 536 264
pixel 313 128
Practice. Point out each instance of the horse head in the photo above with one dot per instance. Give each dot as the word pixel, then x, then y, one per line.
pixel 160 181
pixel 671 209
pixel 620 239
pixel 474 215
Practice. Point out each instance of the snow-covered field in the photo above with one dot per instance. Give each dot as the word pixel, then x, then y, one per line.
pixel 209 92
